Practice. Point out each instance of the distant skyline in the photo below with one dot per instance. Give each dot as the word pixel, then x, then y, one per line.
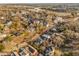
pixel 60 5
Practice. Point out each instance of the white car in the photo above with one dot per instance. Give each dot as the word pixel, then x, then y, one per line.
pixel 45 35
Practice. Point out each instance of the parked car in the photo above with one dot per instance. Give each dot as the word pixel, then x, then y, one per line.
pixel 46 36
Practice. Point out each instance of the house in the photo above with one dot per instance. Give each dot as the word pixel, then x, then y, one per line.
pixel 48 32
pixel 44 38
pixel 13 13
pixel 2 36
pixel 16 33
pixel 2 17
pixel 31 50
pixel 37 9
pixel 12 54
pixel 40 54
pixel 48 51
pixel 58 19
pixel 15 53
pixel 4 53
pixel 53 30
pixel 39 41
pixel 9 23
pixel 23 51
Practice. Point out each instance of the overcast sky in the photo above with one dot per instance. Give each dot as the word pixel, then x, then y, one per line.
pixel 39 1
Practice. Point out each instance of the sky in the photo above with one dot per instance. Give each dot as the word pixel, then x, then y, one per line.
pixel 39 1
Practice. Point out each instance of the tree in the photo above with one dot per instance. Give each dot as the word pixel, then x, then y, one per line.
pixel 1 47
pixel 74 14
pixel 1 27
pixel 8 38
